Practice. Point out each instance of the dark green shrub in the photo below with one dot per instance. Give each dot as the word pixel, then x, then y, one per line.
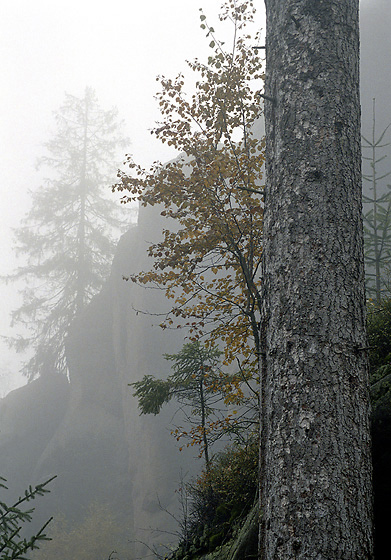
pixel 223 494
pixel 379 339
pixel 379 334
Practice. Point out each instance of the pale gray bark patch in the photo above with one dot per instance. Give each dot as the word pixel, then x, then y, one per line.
pixel 315 443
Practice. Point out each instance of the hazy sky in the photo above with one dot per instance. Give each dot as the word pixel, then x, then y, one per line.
pixel 117 47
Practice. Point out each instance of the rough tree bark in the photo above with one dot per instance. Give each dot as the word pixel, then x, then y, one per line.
pixel 315 442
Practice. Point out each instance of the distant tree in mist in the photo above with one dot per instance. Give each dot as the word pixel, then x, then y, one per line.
pixel 377 214
pixel 69 234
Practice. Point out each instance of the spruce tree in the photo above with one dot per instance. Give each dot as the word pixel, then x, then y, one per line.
pixel 13 546
pixel 196 382
pixel 69 234
pixel 377 215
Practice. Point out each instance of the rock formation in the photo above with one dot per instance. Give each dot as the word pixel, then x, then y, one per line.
pixel 88 431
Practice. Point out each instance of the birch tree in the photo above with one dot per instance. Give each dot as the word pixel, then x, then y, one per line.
pixel 208 260
pixel 315 445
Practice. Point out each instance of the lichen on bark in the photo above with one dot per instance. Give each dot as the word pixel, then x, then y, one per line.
pixel 315 443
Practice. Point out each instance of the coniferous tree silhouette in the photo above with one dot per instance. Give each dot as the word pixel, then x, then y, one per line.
pixel 69 234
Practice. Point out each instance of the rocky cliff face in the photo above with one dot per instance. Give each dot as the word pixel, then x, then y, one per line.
pixel 89 431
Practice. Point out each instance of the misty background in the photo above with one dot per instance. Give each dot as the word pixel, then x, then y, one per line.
pixel 48 49
pixel 116 48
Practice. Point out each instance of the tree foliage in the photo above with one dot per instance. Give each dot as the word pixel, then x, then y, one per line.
pixel 219 499
pixel 379 339
pixel 12 518
pixel 208 259
pixel 68 236
pixel 377 217
pixel 203 391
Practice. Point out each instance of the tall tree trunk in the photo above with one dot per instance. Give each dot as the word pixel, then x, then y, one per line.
pixel 315 442
pixel 81 234
pixel 376 233
pixel 203 416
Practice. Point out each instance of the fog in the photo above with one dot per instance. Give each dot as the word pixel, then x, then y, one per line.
pixel 117 48
pixel 89 432
pixel 49 48
pixel 375 61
